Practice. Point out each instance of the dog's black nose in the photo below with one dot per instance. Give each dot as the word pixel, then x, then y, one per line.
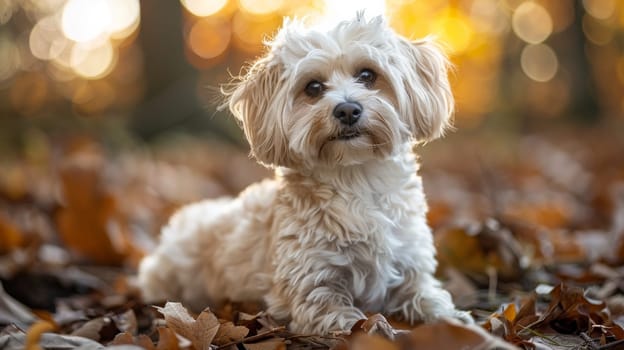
pixel 348 112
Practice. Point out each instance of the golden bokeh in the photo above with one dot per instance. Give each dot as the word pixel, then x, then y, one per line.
pixel 600 9
pixel 93 62
pixel 539 62
pixel 260 7
pixel 203 8
pixel 531 22
pixel 209 38
pixel 85 20
pixel 58 44
pixel 597 31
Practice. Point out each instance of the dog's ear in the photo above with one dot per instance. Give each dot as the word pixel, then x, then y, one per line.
pixel 253 101
pixel 430 102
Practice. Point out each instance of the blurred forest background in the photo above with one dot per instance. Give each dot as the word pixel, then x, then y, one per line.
pixel 109 122
pixel 145 69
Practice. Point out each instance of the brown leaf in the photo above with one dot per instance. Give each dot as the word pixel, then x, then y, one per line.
pixel 123 338
pixel 91 329
pixel 126 322
pixel 200 332
pixel 127 339
pixel 167 339
pixel 10 235
pixel 475 249
pixel 90 223
pixel 228 333
pixel 269 344
pixel 450 334
pixel 371 342
pixel 34 334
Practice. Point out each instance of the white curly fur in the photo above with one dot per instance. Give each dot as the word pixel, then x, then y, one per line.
pixel 341 230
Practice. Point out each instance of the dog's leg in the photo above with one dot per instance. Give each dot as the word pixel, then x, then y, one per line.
pixel 421 298
pixel 314 305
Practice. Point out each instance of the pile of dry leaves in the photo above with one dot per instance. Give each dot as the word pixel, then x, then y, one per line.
pixel 530 239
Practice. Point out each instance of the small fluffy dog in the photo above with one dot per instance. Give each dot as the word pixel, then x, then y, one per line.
pixel 341 230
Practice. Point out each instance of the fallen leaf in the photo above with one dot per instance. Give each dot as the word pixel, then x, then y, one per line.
pixel 50 341
pixel 167 339
pixel 10 235
pixel 450 334
pixel 372 342
pixel 92 328
pixel 12 311
pixel 269 344
pixel 228 333
pixel 126 322
pixel 34 333
pixel 200 332
pixel 89 222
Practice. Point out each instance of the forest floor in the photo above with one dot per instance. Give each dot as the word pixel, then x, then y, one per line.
pixel 529 231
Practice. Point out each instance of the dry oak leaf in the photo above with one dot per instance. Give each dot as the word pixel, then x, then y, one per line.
pixel 200 332
pixel 450 334
pixel 228 333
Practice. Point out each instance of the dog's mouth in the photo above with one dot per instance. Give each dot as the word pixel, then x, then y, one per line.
pixel 346 135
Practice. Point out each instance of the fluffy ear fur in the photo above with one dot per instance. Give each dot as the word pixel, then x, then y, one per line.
pixel 252 100
pixel 428 89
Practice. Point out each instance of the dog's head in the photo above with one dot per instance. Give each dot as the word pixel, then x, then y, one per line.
pixel 343 96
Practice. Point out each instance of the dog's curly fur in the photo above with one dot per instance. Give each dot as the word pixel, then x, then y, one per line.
pixel 341 230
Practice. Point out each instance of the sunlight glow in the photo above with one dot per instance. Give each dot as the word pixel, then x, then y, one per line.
pixel 261 7
pixel 125 17
pixel 453 29
pixel 204 8
pixel 86 20
pixel 340 10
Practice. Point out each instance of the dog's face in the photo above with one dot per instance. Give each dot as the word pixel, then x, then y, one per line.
pixel 341 97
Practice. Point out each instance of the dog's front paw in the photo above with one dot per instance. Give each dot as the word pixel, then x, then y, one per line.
pixel 321 322
pixel 463 316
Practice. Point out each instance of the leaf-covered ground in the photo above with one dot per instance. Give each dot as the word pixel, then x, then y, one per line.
pixel 529 229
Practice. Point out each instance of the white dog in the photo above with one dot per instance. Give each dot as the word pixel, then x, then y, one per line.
pixel 341 230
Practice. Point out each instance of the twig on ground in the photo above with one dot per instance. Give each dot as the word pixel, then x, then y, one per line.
pixel 255 337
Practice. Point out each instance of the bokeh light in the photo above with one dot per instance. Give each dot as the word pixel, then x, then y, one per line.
pixel 261 7
pixel 86 20
pixel 488 18
pixel 66 43
pixel 531 22
pixel 203 8
pixel 597 31
pixel 124 18
pixel 539 62
pixel 600 9
pixel 209 38
pixel 92 62
pixel 46 41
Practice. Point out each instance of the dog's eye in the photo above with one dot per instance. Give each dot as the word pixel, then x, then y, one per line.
pixel 367 76
pixel 314 88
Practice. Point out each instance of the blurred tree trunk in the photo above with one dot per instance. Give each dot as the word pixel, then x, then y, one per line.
pixel 170 94
pixel 583 103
